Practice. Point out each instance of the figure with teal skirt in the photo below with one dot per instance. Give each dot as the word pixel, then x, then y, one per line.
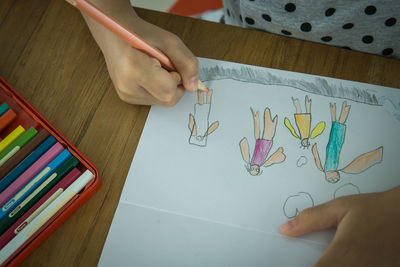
pixel 334 147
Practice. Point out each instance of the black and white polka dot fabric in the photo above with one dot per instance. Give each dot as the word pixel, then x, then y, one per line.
pixel 371 26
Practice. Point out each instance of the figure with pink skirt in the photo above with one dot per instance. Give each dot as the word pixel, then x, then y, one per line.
pixel 263 145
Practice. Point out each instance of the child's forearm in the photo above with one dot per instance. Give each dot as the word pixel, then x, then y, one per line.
pixel 120 10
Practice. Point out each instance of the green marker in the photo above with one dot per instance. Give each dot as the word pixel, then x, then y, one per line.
pixel 15 146
pixel 37 194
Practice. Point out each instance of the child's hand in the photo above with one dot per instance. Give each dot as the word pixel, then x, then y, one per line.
pixel 368 229
pixel 139 78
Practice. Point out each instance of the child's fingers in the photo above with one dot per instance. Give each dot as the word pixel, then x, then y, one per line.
pixel 316 218
pixel 135 68
pixel 137 95
pixel 183 59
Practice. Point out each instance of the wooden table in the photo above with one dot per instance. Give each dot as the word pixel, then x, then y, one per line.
pixel 49 56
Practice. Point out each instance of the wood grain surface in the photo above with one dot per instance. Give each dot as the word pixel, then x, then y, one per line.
pixel 49 56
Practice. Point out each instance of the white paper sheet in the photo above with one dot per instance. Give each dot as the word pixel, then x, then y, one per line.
pixel 185 204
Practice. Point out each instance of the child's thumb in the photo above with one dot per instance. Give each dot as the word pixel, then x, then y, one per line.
pixel 312 219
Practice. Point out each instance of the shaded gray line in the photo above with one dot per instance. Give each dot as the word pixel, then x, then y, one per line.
pixel 319 86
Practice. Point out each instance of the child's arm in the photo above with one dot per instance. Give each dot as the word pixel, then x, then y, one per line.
pixel 138 78
pixel 367 229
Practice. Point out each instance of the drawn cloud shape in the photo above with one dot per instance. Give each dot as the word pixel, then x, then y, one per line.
pixel 346 190
pixel 296 203
pixel 301 161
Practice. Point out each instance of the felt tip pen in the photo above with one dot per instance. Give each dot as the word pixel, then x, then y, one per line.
pixel 45 215
pixel 34 183
pixel 39 192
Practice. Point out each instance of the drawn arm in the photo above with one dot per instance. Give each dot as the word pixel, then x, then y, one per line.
pixel 269 125
pixel 364 161
pixel 318 129
pixel 212 128
pixel 256 124
pixel 296 104
pixel 192 125
pixel 308 105
pixel 290 127
pixel 244 148
pixel 275 158
pixel 316 157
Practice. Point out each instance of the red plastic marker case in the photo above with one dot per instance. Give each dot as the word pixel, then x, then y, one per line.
pixel 28 117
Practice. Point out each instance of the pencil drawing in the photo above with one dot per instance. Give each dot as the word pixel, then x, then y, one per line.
pixel 303 123
pixel 334 147
pixel 318 85
pixel 199 125
pixel 294 204
pixel 263 144
pixel 346 190
pixel 302 161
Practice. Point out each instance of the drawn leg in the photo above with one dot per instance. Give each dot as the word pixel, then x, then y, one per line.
pixel 269 125
pixel 256 124
pixel 365 161
pixel 344 113
pixel 308 105
pixel 333 111
pixel 209 94
pixel 200 97
pixel 296 104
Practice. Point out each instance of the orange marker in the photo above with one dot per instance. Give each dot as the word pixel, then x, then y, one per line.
pixel 131 38
pixel 7 118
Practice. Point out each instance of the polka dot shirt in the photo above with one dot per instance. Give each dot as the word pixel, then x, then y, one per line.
pixel 371 26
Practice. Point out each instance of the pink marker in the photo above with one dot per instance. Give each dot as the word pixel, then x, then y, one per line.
pixel 38 207
pixel 25 177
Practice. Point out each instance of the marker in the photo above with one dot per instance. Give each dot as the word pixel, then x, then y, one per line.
pixel 15 146
pixel 39 192
pixel 7 118
pixel 39 206
pixel 130 37
pixel 33 170
pixel 45 215
pixel 34 183
pixel 3 108
pixel 23 153
pixel 26 163
pixel 11 137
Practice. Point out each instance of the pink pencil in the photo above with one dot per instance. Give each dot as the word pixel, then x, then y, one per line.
pixel 131 38
pixel 21 181
pixel 27 218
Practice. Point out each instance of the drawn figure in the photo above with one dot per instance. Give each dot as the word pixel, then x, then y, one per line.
pixel 263 145
pixel 346 190
pixel 334 146
pixel 199 125
pixel 303 123
pixel 296 203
